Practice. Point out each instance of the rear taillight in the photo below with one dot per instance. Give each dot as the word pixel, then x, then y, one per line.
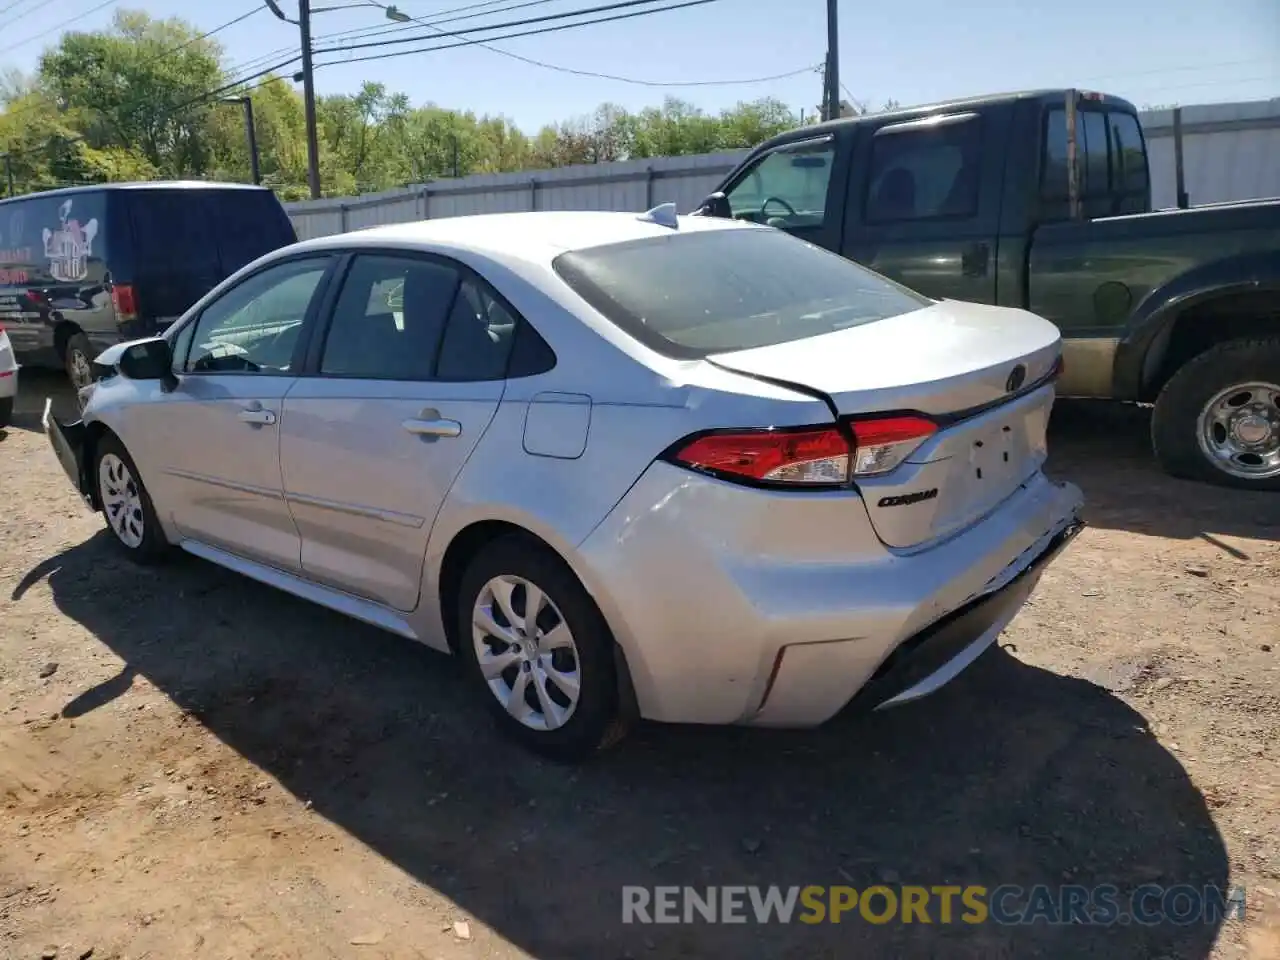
pixel 808 455
pixel 125 301
pixel 884 442
pixel 804 456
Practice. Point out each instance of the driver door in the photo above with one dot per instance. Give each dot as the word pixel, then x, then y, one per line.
pixel 216 436
pixel 798 187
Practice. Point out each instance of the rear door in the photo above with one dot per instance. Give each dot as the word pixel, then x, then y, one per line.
pixel 924 207
pixel 403 384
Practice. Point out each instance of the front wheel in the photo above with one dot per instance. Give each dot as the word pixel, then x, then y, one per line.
pixel 538 650
pixel 1218 418
pixel 127 506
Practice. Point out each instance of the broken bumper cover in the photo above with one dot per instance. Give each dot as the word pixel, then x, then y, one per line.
pixel 938 654
pixel 67 440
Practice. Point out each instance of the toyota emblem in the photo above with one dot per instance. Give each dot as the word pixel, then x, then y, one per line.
pixel 1016 377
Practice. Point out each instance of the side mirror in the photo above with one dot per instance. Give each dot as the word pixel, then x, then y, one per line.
pixel 716 205
pixel 149 359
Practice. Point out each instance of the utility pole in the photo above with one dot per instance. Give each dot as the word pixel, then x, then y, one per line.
pixel 309 99
pixel 308 87
pixel 833 63
pixel 251 136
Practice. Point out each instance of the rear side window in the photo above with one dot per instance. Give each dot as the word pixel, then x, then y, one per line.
pixel 48 241
pixel 248 224
pixel 713 291
pixel 1128 155
pixel 1092 153
pixel 173 232
pixel 925 170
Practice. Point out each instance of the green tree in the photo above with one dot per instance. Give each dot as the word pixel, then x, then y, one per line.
pixel 139 86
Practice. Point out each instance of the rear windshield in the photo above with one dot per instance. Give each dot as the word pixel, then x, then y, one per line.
pixel 53 240
pixel 693 294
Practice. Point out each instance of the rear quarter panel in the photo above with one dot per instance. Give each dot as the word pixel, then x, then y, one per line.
pixel 1101 281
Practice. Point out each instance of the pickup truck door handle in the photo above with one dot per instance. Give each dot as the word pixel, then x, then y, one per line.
pixel 974 260
pixel 256 415
pixel 429 423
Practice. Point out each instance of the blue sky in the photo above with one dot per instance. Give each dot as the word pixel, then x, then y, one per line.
pixel 1151 51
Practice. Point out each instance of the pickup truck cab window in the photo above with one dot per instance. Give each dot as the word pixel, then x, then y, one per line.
pixel 921 170
pixel 1111 156
pixel 786 187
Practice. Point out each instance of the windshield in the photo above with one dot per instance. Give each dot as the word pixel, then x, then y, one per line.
pixel 715 291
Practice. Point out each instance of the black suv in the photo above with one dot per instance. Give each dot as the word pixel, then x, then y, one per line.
pixel 86 267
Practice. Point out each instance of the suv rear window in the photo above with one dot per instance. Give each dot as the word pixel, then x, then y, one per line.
pixel 714 291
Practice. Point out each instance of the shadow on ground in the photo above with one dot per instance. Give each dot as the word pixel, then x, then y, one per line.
pixel 1105 448
pixel 1012 775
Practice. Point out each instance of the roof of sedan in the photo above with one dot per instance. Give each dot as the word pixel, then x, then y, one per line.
pixel 529 236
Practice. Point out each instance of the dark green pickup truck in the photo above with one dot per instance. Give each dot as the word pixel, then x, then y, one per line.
pixel 1042 200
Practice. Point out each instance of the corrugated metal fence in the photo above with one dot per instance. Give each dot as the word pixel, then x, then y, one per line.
pixel 1229 152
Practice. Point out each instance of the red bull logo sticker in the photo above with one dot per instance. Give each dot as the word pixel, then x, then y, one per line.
pixel 70 246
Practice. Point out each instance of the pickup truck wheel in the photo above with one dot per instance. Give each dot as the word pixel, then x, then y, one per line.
pixel 1218 417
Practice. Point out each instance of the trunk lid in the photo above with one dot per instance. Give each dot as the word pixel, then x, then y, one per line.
pixel 971 368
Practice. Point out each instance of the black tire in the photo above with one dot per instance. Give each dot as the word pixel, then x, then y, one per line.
pixel 596 722
pixel 153 548
pixel 78 348
pixel 1175 423
pixel 6 412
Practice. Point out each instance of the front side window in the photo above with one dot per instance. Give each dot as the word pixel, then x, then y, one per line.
pixel 924 171
pixel 254 326
pixel 786 188
pixel 389 318
pixel 714 291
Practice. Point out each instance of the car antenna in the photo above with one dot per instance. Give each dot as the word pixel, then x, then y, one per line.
pixel 664 215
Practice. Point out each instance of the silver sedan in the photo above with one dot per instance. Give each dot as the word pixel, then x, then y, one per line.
pixel 626 466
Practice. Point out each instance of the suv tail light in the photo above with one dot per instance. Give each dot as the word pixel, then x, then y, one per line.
pixel 804 456
pixel 125 301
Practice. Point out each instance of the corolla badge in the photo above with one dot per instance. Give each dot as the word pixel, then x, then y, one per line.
pixel 1017 376
pixel 70 246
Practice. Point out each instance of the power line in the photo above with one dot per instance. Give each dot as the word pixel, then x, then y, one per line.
pixel 617 5
pixel 436 18
pixel 25 13
pixel 162 56
pixel 61 26
pixel 510 36
pixel 584 73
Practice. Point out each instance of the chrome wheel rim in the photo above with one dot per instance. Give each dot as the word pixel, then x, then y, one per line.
pixel 81 371
pixel 1239 430
pixel 526 652
pixel 121 500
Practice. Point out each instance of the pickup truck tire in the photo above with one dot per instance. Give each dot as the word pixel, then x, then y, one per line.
pixel 1210 412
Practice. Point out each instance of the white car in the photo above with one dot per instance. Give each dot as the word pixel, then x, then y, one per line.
pixel 8 379
pixel 691 469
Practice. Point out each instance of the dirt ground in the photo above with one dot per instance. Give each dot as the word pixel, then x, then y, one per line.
pixel 196 766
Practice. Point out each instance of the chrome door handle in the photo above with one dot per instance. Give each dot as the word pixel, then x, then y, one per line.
pixel 433 428
pixel 259 417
